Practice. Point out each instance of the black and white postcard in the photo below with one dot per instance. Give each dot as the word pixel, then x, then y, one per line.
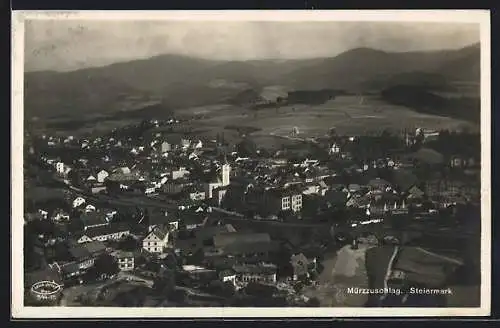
pixel 222 164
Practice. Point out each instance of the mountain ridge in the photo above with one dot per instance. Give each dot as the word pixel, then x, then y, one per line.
pixel 181 81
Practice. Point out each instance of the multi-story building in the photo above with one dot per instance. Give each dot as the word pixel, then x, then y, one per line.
pixel 156 241
pixel 125 260
pixel 287 199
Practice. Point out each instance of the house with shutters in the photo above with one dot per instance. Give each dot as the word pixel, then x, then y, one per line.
pixel 156 240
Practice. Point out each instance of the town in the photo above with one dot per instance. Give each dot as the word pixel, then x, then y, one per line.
pixel 151 216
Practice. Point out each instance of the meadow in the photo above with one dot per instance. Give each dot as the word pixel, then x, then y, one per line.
pixel 349 115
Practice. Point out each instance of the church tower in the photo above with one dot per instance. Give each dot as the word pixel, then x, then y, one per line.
pixel 226 170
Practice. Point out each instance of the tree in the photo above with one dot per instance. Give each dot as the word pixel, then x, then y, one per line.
pixel 246 148
pixel 128 244
pixel 313 302
pixel 313 275
pixel 260 290
pixel 298 287
pixel 332 132
pixel 218 287
pixel 106 265
pixel 178 296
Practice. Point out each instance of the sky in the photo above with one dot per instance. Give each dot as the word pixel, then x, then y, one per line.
pixel 64 45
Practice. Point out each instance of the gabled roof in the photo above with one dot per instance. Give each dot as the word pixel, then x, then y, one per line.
pixel 159 219
pixel 78 252
pixel 226 273
pixel 122 254
pixel 203 233
pixel 71 268
pixel 192 218
pixel 284 192
pixel 336 197
pixel 415 192
pixel 429 156
pixel 378 183
pixel 251 247
pixel 94 247
pixel 403 179
pixel 107 229
pixel 159 232
pixel 228 238
pixel 93 218
pixel 255 269
pixel 122 177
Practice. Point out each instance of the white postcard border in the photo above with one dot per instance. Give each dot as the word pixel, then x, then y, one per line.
pixel 481 17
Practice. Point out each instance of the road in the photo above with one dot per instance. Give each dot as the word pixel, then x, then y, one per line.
pixel 341 271
pixel 70 295
pixel 129 276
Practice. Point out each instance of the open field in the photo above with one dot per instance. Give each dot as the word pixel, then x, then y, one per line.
pixel 347 114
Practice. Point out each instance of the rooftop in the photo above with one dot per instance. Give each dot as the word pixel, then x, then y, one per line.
pixel 122 254
pixel 228 238
pixel 93 218
pixel 94 247
pixel 79 252
pixel 255 269
pixel 107 229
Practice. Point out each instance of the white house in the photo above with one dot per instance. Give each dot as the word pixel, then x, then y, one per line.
pixel 78 202
pixel 185 143
pixel 197 195
pixel 43 213
pixel 311 188
pixel 166 147
pixel 90 208
pixel 59 216
pixel 123 170
pixel 296 202
pixel 180 173
pixel 156 240
pixel 102 175
pixel 198 145
pixel 220 193
pixel 334 149
pixel 150 188
pixel 60 167
pixel 228 275
pixel 125 260
pixel 193 156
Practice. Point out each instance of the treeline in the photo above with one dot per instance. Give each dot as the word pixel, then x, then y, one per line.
pixel 306 97
pixel 422 100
